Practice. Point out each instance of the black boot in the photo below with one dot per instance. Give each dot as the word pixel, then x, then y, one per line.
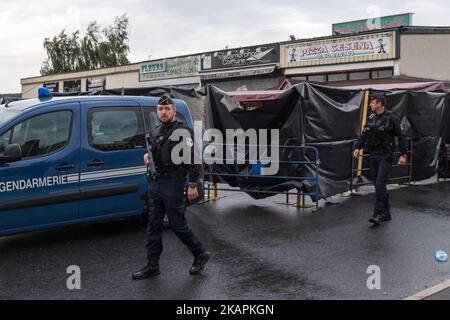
pixel 200 261
pixel 150 270
pixel 386 216
pixel 375 219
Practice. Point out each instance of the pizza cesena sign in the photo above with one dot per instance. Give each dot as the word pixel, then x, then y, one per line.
pixel 242 57
pixel 380 46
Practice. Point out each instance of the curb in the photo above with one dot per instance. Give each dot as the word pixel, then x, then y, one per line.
pixel 430 291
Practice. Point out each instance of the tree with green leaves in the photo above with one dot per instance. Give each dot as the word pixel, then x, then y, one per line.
pixel 96 49
pixel 113 52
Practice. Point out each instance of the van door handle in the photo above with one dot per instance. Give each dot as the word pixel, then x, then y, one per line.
pixel 95 163
pixel 65 167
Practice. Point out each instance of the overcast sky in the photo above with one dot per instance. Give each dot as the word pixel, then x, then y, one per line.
pixel 163 28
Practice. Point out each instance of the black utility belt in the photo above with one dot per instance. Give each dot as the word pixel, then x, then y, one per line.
pixel 379 152
pixel 168 175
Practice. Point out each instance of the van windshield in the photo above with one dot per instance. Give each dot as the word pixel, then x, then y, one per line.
pixel 6 114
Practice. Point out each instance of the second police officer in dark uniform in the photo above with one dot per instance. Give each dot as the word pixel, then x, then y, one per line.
pixel 378 140
pixel 167 193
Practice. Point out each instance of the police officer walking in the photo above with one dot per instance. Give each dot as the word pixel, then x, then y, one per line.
pixel 378 140
pixel 167 193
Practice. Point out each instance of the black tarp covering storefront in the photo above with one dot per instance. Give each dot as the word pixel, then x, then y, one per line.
pixel 322 117
pixel 283 114
pixel 423 119
pixel 330 120
pixel 444 156
pixel 331 124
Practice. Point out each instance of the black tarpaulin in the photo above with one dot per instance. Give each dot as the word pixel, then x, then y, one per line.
pixel 329 119
pixel 321 117
pixel 283 114
pixel 425 113
pixel 422 117
pixel 331 122
pixel 446 128
pixel 444 170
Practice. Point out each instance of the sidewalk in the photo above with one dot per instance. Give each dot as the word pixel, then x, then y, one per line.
pixel 443 295
pixel 438 292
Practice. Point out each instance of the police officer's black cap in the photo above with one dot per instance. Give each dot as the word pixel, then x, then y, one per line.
pixel 165 100
pixel 378 96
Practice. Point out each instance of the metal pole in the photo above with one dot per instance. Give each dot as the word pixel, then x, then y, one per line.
pixel 363 124
pixel 214 191
pixel 352 176
pixel 209 191
pixel 317 163
pixel 410 160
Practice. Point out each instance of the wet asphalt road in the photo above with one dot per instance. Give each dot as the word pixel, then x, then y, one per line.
pixel 260 250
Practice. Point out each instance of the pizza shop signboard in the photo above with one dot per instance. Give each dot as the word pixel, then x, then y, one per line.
pixel 350 49
pixel 169 68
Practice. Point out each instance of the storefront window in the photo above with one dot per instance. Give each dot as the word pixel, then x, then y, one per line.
pixel 380 74
pixel 360 75
pixel 72 86
pixel 337 77
pixel 317 78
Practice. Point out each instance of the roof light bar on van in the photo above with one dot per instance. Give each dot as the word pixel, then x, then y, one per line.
pixel 44 93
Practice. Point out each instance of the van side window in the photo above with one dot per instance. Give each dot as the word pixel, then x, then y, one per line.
pixel 112 129
pixel 4 140
pixel 42 134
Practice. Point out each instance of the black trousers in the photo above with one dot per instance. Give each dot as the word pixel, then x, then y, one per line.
pixel 381 168
pixel 166 196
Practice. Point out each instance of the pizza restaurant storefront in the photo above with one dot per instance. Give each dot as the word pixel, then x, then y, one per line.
pixel 337 59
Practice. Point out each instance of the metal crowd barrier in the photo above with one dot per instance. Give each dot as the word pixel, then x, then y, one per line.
pixel 211 188
pixel 445 160
pixel 358 169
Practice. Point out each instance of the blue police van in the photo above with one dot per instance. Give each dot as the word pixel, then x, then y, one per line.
pixel 66 160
